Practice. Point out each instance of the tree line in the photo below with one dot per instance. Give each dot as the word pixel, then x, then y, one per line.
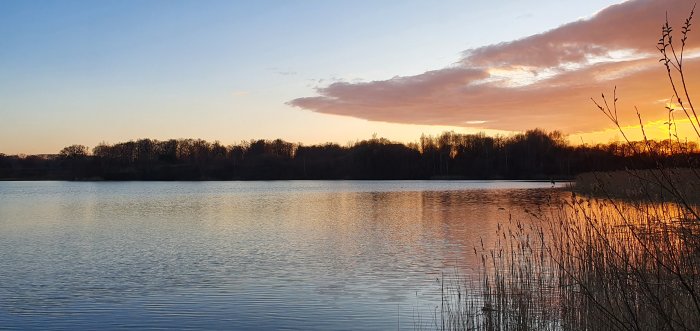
pixel 535 154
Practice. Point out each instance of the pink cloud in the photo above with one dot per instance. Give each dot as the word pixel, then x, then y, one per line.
pixel 545 80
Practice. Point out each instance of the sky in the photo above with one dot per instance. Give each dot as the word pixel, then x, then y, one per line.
pixel 315 71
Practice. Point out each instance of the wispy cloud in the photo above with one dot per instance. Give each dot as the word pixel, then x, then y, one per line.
pixel 282 72
pixel 239 94
pixel 545 80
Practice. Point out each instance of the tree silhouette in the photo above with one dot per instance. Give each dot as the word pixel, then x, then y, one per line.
pixel 74 152
pixel 534 154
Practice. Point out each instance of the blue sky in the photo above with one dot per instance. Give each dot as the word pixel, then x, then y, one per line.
pixel 91 71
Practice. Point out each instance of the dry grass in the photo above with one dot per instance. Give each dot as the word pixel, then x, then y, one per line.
pixel 589 265
pixel 650 184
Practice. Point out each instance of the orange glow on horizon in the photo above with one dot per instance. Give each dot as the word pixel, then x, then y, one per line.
pixel 654 130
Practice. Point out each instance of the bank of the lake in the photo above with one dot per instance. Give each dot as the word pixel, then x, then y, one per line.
pixel 646 184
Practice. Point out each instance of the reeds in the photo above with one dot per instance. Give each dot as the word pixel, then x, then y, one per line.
pixel 598 262
pixel 627 265
pixel 514 290
pixel 590 264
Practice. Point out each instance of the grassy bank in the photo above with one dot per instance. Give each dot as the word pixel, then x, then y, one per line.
pixel 651 184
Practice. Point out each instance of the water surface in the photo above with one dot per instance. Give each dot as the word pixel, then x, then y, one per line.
pixel 303 255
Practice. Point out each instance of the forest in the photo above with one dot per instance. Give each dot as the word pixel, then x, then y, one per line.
pixel 535 154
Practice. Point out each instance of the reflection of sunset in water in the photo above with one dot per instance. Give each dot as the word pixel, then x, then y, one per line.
pixel 335 252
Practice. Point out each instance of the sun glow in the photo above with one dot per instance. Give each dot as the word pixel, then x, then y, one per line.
pixel 679 129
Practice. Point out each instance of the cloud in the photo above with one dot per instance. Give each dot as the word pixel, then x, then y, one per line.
pixel 545 80
pixel 239 94
pixel 282 72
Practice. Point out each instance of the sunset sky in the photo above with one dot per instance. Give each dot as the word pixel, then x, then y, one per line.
pixel 312 71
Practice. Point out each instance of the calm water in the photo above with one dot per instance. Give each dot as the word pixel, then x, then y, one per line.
pixel 305 255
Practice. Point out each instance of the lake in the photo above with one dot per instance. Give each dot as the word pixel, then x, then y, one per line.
pixel 297 255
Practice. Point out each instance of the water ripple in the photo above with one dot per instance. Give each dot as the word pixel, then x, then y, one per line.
pixel 240 255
